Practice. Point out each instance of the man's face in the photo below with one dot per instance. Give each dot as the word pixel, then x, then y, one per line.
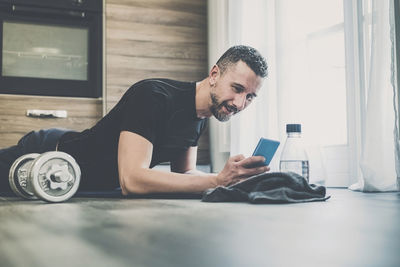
pixel 233 91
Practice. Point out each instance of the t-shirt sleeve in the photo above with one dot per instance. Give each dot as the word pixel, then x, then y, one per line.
pixel 143 113
pixel 202 127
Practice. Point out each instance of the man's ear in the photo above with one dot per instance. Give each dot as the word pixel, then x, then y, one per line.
pixel 214 75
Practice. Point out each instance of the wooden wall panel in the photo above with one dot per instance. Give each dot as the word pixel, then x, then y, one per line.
pixel 191 6
pixel 82 113
pixel 159 15
pixel 155 39
pixel 155 50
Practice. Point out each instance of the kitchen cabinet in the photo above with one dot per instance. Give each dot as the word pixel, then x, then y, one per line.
pixel 82 113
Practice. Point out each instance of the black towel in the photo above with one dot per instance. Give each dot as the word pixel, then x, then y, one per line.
pixel 274 187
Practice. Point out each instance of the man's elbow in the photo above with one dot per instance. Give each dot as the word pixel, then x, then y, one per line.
pixel 124 191
pixel 131 185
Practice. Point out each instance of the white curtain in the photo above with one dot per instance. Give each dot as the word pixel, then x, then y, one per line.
pixel 380 147
pixel 254 22
pixel 233 22
pixel 259 23
pixel 395 40
pixel 218 43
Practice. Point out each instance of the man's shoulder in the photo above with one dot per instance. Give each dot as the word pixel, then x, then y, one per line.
pixel 160 90
pixel 156 83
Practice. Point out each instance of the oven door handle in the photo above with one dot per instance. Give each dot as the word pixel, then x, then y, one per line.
pixel 39 10
pixel 40 113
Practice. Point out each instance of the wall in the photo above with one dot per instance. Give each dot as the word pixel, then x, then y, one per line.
pixel 155 39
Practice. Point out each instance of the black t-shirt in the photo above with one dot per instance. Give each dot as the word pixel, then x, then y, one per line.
pixel 162 111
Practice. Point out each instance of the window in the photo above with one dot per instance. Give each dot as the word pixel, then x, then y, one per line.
pixel 319 56
pixel 324 49
pixel 313 83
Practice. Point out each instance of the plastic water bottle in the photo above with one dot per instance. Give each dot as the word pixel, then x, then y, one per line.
pixel 294 157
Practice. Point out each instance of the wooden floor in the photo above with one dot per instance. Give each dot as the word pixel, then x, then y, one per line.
pixel 350 229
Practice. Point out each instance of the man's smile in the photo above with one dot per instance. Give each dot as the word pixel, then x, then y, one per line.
pixel 230 109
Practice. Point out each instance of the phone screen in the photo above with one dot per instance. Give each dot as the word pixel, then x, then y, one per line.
pixel 267 149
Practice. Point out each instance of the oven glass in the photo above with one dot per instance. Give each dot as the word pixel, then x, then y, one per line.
pixel 45 51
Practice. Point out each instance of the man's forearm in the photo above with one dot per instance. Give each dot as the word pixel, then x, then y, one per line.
pixel 146 181
pixel 196 172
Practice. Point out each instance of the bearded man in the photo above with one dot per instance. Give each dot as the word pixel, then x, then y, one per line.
pixel 156 121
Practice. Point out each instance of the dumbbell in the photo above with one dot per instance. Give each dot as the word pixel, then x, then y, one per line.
pixel 52 176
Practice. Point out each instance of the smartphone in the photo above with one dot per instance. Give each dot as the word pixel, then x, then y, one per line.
pixel 267 149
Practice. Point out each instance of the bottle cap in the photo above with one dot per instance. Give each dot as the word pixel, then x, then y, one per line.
pixel 293 128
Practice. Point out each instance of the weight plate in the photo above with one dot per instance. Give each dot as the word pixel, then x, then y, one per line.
pixel 19 176
pixel 55 176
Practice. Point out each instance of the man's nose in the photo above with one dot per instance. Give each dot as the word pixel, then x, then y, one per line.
pixel 240 101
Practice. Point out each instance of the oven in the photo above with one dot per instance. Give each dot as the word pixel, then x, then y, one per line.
pixel 51 47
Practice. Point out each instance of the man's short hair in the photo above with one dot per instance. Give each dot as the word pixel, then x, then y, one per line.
pixel 248 55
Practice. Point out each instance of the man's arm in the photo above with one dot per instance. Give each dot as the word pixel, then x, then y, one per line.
pixel 135 176
pixel 186 162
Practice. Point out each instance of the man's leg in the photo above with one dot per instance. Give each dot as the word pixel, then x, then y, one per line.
pixel 7 157
pixel 34 142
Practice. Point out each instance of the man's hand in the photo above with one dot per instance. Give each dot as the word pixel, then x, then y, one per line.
pixel 238 168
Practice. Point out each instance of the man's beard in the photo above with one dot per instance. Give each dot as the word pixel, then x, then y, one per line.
pixel 216 108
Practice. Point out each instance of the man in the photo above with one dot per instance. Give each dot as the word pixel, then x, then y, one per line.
pixel 158 120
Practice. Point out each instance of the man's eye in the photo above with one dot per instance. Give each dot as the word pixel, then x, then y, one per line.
pixel 249 97
pixel 237 89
